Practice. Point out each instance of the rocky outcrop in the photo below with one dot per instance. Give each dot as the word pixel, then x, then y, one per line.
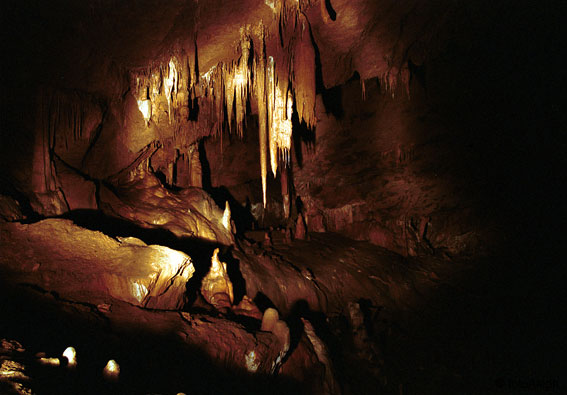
pixel 139 197
pixel 90 267
pixel 10 209
pixel 326 273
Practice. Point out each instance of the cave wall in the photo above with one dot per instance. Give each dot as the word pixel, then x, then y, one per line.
pixel 433 118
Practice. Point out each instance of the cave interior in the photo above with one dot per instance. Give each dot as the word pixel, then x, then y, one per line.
pixel 282 196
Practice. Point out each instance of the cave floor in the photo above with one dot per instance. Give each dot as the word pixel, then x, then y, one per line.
pixel 489 325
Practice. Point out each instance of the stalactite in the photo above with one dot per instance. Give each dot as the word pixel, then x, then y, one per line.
pixel 271 105
pixel 236 77
pixel 218 92
pixel 283 71
pixel 260 87
pixel 242 83
pixel 170 83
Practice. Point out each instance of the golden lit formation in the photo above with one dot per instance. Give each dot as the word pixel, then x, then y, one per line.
pixel 112 370
pixel 274 71
pixel 217 283
pixel 251 363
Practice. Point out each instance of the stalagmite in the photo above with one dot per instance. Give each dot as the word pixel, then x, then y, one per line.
pixel 71 356
pixel 112 370
pixel 216 281
pixel 226 217
pixel 269 319
pixel 281 330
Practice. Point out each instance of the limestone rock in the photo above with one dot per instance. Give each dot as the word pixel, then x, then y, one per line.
pixel 163 287
pixel 87 266
pixel 216 283
pixel 79 192
pixel 330 383
pixel 303 365
pixel 141 198
pixel 248 308
pixel 10 209
pixel 300 229
pixel 50 203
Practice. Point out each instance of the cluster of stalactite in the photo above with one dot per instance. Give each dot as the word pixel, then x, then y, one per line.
pixel 171 86
pixel 62 119
pixel 274 68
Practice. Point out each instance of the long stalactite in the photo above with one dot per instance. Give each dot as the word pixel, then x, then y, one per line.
pixel 274 67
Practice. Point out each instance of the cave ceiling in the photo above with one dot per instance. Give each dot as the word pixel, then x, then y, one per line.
pixel 373 38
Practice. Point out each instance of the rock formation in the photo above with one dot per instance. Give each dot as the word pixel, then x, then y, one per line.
pixel 386 170
pixel 216 286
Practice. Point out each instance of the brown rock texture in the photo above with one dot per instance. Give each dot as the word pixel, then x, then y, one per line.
pixel 90 267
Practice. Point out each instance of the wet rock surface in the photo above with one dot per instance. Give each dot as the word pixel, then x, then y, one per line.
pixel 376 321
pixel 186 213
pixel 90 267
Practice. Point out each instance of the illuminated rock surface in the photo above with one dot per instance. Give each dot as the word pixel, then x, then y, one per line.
pixel 87 266
pixel 415 149
pixel 217 283
pixel 188 213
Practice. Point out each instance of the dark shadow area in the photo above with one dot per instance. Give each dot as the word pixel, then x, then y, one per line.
pixel 332 98
pixel 419 73
pixel 7 189
pixel 205 166
pixel 492 330
pixel 194 110
pixel 194 103
pixel 242 216
pixel 318 320
pixel 370 312
pixel 150 361
pixel 263 302
pixel 162 179
pixel 331 10
pixel 235 275
pixel 301 135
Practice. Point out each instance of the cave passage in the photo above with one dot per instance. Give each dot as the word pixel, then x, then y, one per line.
pixel 282 196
